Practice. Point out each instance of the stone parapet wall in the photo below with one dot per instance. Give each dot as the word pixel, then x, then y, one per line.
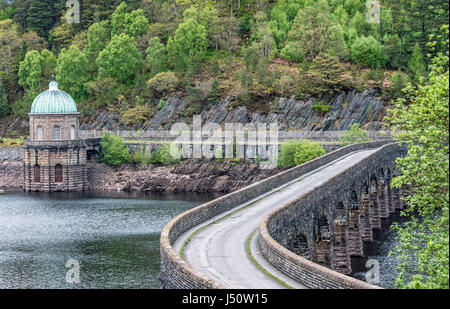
pixel 176 273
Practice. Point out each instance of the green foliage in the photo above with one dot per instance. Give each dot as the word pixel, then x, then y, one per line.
pixel 72 72
pixel 214 93
pixel 354 136
pixel 416 65
pixel 307 152
pixel 296 152
pixel 156 56
pixel 114 151
pixel 120 60
pixel 118 19
pixel 163 156
pixel 30 71
pixel 4 104
pixel 163 83
pixel 321 108
pixel 98 37
pixel 423 124
pixel 292 52
pixel 367 51
pixel 188 46
pixel 399 81
pixel 161 104
pixel 138 114
pixel 316 31
pixel 135 23
pixel 325 75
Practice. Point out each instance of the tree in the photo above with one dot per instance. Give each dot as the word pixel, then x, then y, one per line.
pixel 421 120
pixel 326 75
pixel 355 135
pixel 156 56
pixel 72 72
pixel 41 16
pixel 367 51
pixel 208 17
pixel 9 45
pixel 135 23
pixel 214 93
pixel 4 104
pixel 118 19
pixel 263 42
pixel 33 42
pixel 114 151
pixel 30 72
pixel 98 38
pixel 188 46
pixel 316 31
pixel 48 64
pixel 416 65
pixel 120 59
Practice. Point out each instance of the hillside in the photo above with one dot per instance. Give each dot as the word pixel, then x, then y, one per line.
pixel 129 58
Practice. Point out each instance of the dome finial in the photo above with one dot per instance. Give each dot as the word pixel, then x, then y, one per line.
pixel 53 84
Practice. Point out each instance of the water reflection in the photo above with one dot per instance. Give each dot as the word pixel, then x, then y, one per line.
pixel 114 236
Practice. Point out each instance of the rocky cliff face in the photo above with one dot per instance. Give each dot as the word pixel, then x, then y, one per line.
pixel 347 108
pixel 188 176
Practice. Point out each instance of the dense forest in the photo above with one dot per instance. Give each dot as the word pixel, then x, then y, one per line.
pixel 128 55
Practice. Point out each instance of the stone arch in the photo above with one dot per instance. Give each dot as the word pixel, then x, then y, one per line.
pixel 37 173
pixel 340 214
pixel 58 173
pixel 340 259
pixel 364 213
pixel 300 245
pixel 374 208
pixel 355 244
pixel 322 245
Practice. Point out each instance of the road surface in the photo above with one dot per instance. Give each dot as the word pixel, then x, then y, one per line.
pixel 220 251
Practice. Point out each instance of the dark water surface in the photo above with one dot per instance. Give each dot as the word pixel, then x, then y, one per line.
pixel 114 236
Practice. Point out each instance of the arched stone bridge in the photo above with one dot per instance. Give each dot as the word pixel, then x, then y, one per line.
pixel 297 229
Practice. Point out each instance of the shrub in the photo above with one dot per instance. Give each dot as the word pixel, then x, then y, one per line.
pixel 297 152
pixel 354 136
pixel 163 156
pixel 142 157
pixel 137 114
pixel 367 51
pixel 114 151
pixel 161 104
pixel 163 83
pixel 307 152
pixel 321 108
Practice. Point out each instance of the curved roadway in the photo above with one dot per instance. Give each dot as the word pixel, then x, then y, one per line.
pixel 220 249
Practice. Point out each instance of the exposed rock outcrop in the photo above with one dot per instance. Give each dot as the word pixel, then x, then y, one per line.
pixel 347 108
pixel 188 176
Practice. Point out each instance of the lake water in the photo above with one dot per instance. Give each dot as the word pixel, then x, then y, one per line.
pixel 113 236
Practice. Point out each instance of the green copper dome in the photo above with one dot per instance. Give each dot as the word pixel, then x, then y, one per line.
pixel 53 101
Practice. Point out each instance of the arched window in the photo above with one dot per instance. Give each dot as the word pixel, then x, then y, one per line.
pixel 56 133
pixel 37 173
pixel 58 173
pixel 40 133
pixel 72 132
